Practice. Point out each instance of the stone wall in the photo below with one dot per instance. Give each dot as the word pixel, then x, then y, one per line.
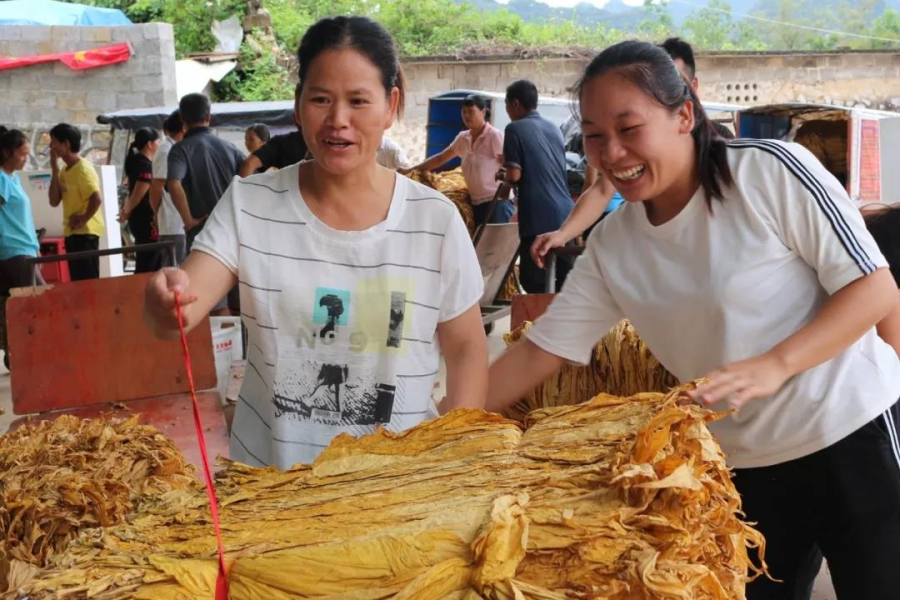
pixel 36 98
pixel 870 79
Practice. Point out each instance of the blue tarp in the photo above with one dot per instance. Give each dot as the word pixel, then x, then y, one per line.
pixel 48 12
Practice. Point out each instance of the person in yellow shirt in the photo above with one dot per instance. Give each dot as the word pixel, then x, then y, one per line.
pixel 77 187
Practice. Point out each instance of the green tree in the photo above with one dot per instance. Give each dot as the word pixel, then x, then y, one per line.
pixel 788 38
pixel 710 28
pixel 657 23
pixel 191 19
pixel 887 25
pixel 258 78
pixel 747 36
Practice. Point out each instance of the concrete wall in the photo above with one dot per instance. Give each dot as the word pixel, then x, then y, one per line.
pixel 38 97
pixel 870 79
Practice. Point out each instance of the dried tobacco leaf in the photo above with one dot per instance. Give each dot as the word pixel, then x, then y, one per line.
pixel 621 365
pixel 453 185
pixel 63 476
pixel 616 498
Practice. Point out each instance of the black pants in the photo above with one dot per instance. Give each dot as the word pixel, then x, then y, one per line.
pixel 15 272
pixel 534 278
pixel 83 268
pixel 141 227
pixel 842 502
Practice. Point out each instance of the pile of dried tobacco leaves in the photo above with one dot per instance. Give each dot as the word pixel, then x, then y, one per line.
pixel 622 365
pixel 453 185
pixel 617 498
pixel 60 477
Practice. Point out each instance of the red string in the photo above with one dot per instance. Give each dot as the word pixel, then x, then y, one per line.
pixel 221 579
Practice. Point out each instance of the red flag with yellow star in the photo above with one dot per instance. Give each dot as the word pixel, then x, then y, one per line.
pixel 79 61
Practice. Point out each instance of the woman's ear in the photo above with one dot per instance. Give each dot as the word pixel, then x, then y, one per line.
pixel 686 117
pixel 297 109
pixel 393 103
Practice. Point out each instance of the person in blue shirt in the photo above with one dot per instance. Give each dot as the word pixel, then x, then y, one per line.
pixel 18 240
pixel 535 161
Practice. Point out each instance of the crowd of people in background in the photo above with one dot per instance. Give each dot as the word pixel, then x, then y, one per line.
pixel 174 181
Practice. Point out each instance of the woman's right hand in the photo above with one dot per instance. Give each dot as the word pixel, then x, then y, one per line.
pixel 545 243
pixel 159 301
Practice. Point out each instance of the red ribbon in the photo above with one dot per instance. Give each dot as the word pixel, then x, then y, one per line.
pixel 221 578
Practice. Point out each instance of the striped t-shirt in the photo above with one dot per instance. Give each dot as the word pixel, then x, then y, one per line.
pixel 342 325
pixel 718 285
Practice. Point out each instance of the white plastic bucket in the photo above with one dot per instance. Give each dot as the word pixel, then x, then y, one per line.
pixel 227 347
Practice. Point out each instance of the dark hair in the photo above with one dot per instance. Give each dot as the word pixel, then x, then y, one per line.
pixel 67 133
pixel 361 34
pixel 142 137
pixel 653 71
pixel 884 226
pixel 525 92
pixel 260 131
pixel 173 123
pixel 678 48
pixel 480 102
pixel 194 109
pixel 10 141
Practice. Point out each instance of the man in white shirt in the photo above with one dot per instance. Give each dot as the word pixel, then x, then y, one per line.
pixel 168 222
pixel 391 155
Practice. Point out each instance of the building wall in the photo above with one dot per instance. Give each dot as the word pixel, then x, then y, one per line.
pixel 38 97
pixel 870 79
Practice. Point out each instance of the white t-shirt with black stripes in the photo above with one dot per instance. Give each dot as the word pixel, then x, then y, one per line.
pixel 342 325
pixel 710 288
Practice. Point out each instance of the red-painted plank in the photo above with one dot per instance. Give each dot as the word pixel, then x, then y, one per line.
pixel 85 342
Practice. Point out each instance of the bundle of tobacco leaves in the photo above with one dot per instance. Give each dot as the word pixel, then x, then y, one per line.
pixel 453 185
pixel 621 365
pixel 616 498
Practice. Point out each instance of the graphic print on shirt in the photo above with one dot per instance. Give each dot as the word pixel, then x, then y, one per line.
pixel 336 374
pixel 398 312
pixel 330 310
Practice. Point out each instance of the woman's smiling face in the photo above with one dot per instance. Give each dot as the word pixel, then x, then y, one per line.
pixel 632 139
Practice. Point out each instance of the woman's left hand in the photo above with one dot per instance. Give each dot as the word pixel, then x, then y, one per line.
pixel 739 382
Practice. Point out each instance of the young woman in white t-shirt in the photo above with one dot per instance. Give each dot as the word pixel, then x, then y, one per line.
pixel 353 279
pixel 744 262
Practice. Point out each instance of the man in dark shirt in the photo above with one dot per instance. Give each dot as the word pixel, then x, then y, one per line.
pixel 683 56
pixel 201 166
pixel 280 151
pixel 535 160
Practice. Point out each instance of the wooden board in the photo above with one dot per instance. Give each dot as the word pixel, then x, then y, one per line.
pixel 172 415
pixel 85 342
pixel 496 251
pixel 528 307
